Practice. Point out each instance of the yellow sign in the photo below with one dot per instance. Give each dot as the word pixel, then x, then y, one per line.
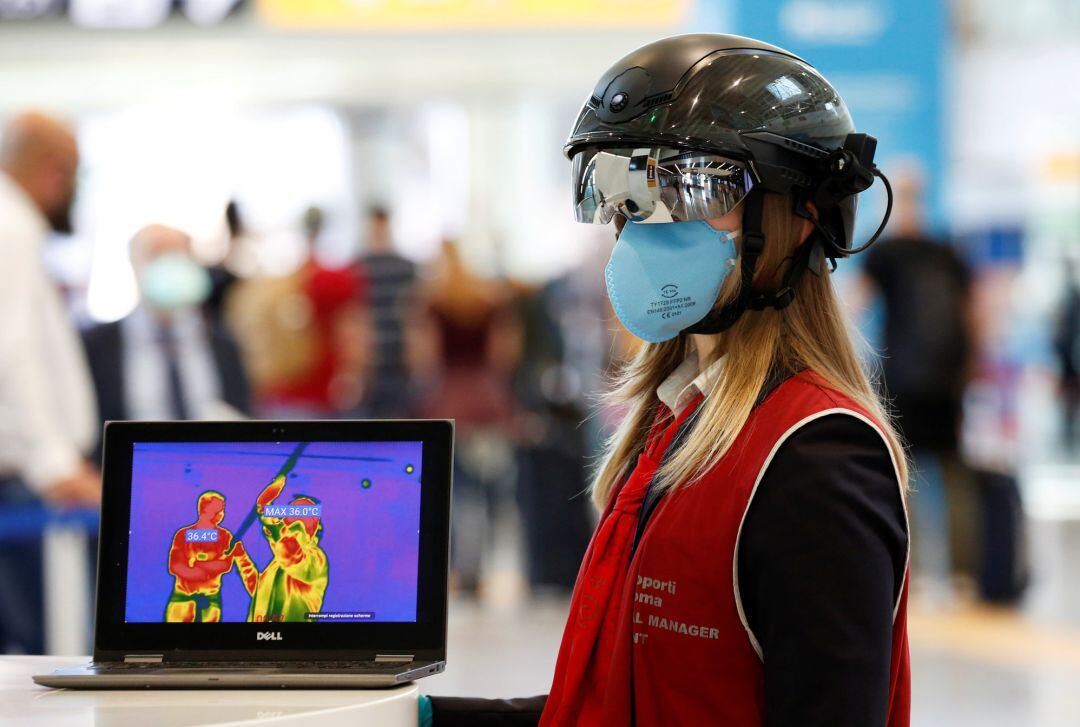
pixel 466 14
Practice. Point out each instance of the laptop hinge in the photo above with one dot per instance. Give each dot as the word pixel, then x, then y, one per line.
pixel 393 658
pixel 143 658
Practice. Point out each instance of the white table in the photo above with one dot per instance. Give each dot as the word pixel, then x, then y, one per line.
pixel 24 703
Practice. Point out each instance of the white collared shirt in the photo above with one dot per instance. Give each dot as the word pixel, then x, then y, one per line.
pixel 48 416
pixel 687 381
pixel 146 369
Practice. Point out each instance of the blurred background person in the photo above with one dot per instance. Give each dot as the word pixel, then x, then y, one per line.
pixel 306 336
pixel 391 286
pixel 926 364
pixel 47 418
pixel 477 345
pixel 552 442
pixel 1067 349
pixel 170 358
pixel 238 261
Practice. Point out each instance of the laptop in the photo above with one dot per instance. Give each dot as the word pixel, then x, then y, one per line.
pixel 270 554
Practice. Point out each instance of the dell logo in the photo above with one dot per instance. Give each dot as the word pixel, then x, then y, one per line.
pixel 268 636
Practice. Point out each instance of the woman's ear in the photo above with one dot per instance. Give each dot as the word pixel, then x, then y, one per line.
pixel 807 225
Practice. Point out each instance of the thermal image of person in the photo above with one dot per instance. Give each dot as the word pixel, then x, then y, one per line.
pixel 294 583
pixel 200 555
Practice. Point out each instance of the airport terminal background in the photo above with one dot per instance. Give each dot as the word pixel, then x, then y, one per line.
pixel 378 196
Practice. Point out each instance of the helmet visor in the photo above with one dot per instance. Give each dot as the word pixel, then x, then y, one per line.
pixel 657 184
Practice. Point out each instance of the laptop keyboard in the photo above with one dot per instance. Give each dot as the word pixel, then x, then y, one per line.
pixel 291 666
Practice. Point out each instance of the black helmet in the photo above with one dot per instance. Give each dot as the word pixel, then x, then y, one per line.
pixel 732 98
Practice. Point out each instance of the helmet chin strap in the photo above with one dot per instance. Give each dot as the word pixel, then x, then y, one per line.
pixel 753 243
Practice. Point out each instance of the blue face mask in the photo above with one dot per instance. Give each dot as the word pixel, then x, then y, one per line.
pixel 664 277
pixel 174 281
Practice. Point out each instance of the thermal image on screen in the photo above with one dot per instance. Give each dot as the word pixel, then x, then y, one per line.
pixel 273 532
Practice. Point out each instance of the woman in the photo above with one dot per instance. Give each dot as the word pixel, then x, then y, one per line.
pixel 476 344
pixel 751 561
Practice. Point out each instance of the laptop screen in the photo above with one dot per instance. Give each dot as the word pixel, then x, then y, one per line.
pixel 315 532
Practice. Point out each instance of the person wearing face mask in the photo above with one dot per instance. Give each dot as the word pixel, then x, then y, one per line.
pixel 750 564
pixel 168 359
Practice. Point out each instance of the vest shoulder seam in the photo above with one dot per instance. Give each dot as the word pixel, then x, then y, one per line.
pixel 842 410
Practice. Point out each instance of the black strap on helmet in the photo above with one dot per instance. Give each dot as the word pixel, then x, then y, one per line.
pixel 753 242
pixel 782 298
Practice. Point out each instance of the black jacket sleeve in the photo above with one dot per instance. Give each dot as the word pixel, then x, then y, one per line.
pixel 821 562
pixel 469 712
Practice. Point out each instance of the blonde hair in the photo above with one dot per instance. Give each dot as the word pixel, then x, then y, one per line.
pixel 811 333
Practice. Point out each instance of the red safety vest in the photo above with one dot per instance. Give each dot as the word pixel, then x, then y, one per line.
pixel 680 624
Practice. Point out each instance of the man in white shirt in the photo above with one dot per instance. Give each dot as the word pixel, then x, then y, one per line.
pixel 47 411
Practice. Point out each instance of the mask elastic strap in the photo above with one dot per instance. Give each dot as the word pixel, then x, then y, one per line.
pixel 753 242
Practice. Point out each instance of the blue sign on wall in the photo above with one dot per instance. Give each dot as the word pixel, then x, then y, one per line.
pixel 885 57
